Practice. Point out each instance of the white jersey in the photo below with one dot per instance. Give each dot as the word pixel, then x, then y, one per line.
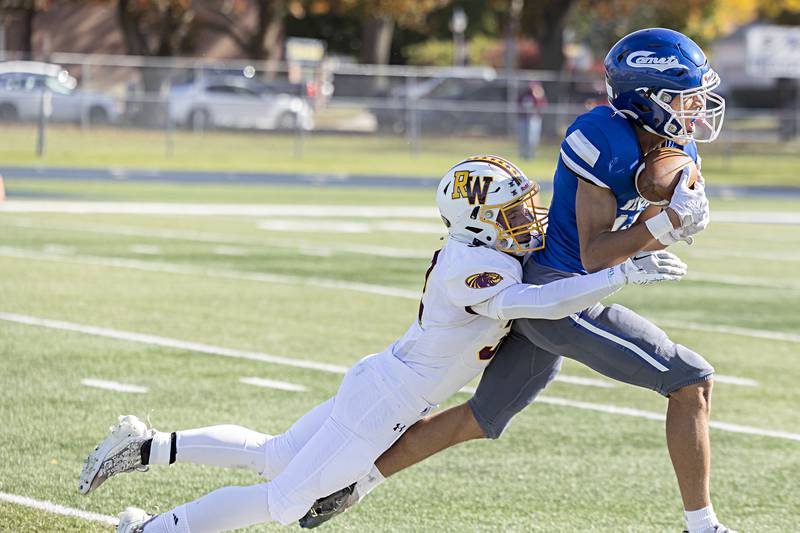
pixel 449 344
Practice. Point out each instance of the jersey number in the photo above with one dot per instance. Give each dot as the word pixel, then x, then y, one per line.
pixel 425 285
pixel 487 352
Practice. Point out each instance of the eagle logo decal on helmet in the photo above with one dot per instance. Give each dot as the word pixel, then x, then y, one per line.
pixel 483 280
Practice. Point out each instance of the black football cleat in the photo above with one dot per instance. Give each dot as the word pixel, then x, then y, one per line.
pixel 326 508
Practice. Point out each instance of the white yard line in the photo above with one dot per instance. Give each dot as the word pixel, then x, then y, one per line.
pixel 628 411
pixel 742 281
pixel 217 238
pixel 733 330
pixel 332 226
pixel 756 217
pixel 311 210
pixel 113 386
pixel 250 210
pixel 733 380
pixel 587 382
pixel 172 268
pixel 720 253
pixel 54 508
pixel 272 384
pixel 381 290
pixel 256 356
pixel 154 340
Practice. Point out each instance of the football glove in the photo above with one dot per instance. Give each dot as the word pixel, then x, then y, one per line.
pixel 651 267
pixel 691 205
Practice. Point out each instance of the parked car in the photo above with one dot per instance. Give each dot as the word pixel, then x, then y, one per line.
pixel 22 84
pixel 450 104
pixel 235 102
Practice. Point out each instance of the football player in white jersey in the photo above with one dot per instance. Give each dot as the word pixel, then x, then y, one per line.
pixel 473 289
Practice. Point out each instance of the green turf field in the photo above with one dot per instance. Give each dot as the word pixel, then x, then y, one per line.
pixel 760 164
pixel 330 293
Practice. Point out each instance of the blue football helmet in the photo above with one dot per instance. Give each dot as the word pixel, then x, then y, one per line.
pixel 662 80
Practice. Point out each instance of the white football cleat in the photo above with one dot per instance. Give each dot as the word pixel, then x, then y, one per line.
pixel 120 452
pixel 132 520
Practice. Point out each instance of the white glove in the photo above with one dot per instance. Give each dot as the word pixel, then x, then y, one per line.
pixel 649 267
pixel 685 234
pixel 691 205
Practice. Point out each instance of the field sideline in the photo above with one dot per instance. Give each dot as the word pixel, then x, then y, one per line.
pixel 70 146
pixel 205 318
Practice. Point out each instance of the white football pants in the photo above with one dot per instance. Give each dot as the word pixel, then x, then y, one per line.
pixel 332 446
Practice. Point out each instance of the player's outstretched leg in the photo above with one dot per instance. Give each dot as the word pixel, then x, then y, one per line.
pixel 119 453
pixel 132 447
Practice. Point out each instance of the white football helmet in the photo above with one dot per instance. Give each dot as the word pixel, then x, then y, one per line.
pixel 488 201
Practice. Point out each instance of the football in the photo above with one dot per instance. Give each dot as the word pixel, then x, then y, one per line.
pixel 660 172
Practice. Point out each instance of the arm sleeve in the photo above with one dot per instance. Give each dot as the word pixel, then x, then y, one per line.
pixel 551 301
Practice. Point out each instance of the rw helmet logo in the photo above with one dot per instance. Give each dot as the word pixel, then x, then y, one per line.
pixel 645 59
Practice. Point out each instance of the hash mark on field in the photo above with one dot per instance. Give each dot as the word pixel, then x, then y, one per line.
pixel 146 249
pixel 215 350
pixel 54 508
pixel 58 249
pixel 272 384
pixel 113 385
pixel 234 251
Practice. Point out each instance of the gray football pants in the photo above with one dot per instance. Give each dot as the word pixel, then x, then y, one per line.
pixel 612 340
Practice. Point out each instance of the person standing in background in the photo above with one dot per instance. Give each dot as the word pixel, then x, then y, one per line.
pixel 531 101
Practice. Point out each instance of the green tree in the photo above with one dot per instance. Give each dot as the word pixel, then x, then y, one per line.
pixel 377 21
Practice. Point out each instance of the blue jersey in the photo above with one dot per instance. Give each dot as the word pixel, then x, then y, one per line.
pixel 601 148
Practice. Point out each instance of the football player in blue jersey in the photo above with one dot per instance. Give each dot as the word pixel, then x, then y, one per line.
pixel 660 93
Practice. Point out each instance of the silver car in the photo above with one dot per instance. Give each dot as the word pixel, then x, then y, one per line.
pixel 237 103
pixel 23 84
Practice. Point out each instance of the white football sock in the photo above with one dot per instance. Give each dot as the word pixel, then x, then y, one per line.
pixel 160 448
pixel 169 522
pixel 225 446
pixel 222 510
pixel 702 520
pixel 369 482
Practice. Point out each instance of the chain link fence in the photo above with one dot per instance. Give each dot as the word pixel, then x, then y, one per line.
pixel 328 98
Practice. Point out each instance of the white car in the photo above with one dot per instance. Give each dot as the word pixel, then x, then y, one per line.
pixel 237 103
pixel 22 84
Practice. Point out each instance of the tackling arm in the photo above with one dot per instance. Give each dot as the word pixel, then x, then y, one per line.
pixel 561 298
pixel 552 301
